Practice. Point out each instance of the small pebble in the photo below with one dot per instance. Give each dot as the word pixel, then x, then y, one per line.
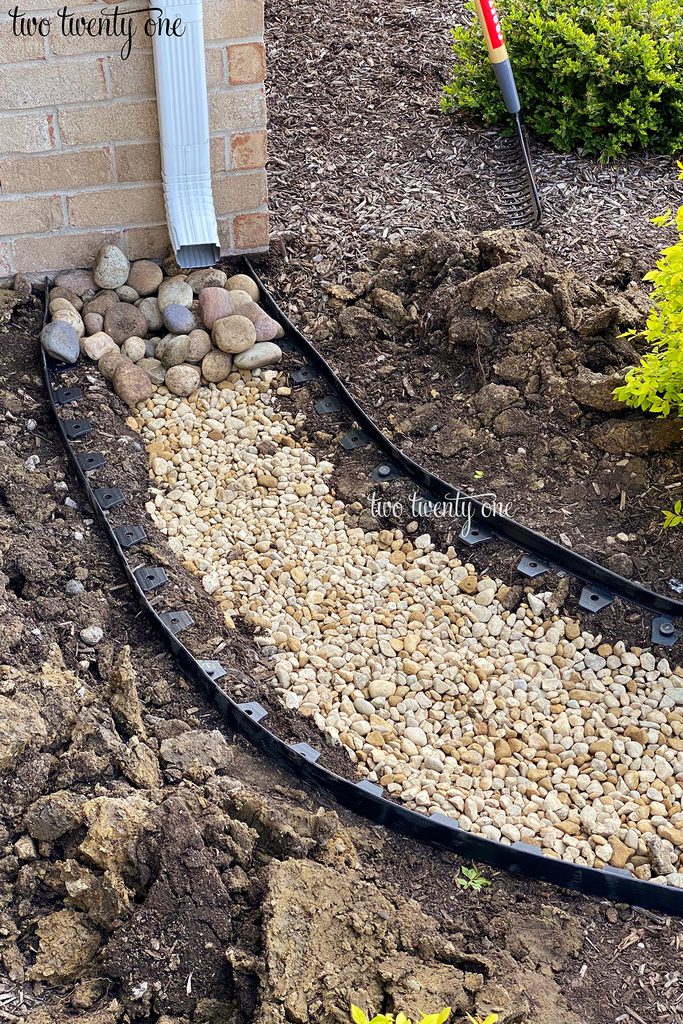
pixel 91 635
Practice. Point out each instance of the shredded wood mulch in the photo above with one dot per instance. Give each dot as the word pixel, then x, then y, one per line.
pixel 360 151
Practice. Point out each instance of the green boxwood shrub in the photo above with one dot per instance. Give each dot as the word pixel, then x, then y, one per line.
pixel 602 76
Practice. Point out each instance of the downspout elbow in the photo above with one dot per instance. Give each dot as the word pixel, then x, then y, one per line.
pixel 182 103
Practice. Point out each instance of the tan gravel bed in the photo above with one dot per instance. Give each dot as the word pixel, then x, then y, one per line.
pixel 518 723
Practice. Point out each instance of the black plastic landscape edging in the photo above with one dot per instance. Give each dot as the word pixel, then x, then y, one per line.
pixel 363 798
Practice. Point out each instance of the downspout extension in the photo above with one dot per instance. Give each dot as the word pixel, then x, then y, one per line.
pixel 180 72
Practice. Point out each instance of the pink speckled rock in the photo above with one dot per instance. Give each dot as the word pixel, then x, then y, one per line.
pixel 216 303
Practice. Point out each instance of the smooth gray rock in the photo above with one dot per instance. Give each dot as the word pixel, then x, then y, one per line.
pixel 153 369
pixel 91 635
pixel 175 290
pixel 150 310
pixel 111 267
pixel 263 353
pixel 60 340
pixel 172 350
pixel 134 348
pixel 127 294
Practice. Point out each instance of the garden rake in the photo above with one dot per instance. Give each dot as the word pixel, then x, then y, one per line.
pixel 518 185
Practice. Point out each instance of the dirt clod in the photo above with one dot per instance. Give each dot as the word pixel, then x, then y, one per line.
pixel 68 944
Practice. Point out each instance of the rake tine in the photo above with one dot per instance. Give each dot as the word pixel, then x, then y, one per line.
pixel 518 184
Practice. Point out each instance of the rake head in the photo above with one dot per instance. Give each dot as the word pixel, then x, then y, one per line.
pixel 518 184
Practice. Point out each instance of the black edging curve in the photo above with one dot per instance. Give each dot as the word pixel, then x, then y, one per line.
pixel 363 797
pixel 546 550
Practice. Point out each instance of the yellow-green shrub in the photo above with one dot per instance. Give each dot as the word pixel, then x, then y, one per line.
pixel 360 1017
pixel 656 384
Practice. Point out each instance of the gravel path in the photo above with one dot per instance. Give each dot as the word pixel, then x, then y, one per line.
pixel 361 151
pixel 517 723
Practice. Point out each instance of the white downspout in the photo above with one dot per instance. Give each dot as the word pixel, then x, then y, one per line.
pixel 180 72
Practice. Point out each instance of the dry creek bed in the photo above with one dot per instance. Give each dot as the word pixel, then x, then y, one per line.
pixel 546 953
pixel 514 720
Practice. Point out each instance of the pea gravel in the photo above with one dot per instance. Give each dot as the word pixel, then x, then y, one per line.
pixel 516 723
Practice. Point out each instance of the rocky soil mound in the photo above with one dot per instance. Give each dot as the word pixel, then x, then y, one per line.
pixel 147 882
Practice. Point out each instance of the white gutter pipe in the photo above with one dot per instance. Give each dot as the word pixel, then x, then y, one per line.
pixel 180 72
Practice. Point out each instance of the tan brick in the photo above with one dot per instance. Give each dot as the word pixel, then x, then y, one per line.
pixel 27 133
pixel 42 85
pixel 142 161
pixel 250 232
pixel 51 171
pixel 246 63
pixel 218 154
pixel 6 265
pixel 225 233
pixel 237 110
pixel 138 161
pixel 148 242
pixel 215 71
pixel 118 121
pixel 62 251
pixel 29 215
pixel 132 77
pixel 70 45
pixel 109 207
pixel 248 150
pixel 14 49
pixel 232 19
pixel 235 193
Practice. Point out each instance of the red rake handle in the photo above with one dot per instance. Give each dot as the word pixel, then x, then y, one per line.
pixel 493 33
pixel 495 43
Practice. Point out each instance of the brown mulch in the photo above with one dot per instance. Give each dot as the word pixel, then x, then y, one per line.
pixel 360 150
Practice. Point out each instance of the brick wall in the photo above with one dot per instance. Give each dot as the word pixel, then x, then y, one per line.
pixel 79 151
